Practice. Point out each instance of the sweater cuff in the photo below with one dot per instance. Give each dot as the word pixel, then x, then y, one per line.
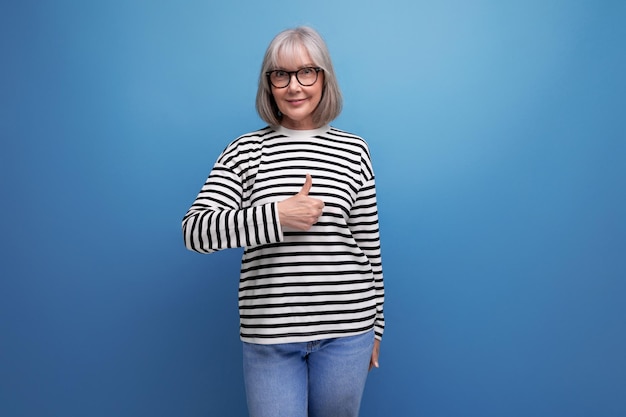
pixel 379 328
pixel 278 229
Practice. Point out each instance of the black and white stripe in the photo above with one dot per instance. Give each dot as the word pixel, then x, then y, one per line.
pixel 296 286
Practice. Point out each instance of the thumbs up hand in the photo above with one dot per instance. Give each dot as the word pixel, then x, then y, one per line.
pixel 300 211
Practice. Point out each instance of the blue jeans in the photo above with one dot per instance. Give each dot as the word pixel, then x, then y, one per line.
pixel 323 378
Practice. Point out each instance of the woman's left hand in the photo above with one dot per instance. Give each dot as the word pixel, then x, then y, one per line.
pixel 375 353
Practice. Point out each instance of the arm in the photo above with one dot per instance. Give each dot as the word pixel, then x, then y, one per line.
pixel 218 218
pixel 363 223
pixel 364 226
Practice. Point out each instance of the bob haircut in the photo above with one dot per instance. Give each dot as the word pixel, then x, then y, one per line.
pixel 288 44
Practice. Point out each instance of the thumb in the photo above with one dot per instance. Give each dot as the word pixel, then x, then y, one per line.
pixel 308 182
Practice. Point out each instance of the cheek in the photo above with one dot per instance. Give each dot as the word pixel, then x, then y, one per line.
pixel 319 95
pixel 276 98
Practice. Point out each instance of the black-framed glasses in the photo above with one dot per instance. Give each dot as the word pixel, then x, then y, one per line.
pixel 306 76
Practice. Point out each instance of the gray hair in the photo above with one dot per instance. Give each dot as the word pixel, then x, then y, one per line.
pixel 289 43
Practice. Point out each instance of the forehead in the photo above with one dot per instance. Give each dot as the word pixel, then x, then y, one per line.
pixel 294 56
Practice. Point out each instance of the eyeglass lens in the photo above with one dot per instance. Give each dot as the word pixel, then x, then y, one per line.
pixel 305 76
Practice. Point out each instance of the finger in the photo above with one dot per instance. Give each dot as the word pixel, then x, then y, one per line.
pixel 375 354
pixel 308 183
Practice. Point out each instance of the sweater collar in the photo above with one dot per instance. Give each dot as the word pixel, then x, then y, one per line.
pixel 302 133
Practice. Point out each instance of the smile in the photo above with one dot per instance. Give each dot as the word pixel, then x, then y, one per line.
pixel 296 102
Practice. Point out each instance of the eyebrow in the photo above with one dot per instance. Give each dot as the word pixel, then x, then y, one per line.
pixel 298 68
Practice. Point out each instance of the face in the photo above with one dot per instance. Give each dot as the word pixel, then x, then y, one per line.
pixel 297 102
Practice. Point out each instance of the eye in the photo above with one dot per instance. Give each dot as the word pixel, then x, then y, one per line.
pixel 307 71
pixel 280 73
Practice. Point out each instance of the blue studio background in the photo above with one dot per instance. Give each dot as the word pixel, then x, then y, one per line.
pixel 498 137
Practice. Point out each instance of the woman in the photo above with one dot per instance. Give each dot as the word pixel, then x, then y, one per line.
pixel 299 195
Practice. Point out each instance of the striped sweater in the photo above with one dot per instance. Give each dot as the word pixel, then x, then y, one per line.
pixel 296 286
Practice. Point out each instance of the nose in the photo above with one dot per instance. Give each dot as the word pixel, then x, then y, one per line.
pixel 294 84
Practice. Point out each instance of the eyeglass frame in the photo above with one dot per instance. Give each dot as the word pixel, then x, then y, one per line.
pixel 290 73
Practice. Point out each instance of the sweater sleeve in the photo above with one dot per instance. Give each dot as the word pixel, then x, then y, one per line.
pixel 363 223
pixel 219 218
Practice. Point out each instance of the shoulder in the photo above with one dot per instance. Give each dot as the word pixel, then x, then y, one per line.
pixel 348 138
pixel 246 143
pixel 256 136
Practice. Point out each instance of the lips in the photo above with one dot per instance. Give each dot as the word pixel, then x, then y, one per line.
pixel 296 102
